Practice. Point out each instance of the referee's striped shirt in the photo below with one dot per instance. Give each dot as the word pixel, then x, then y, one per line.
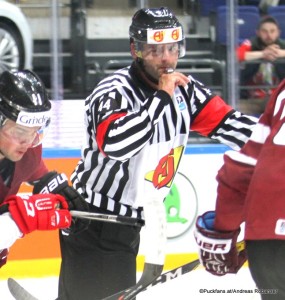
pixel 135 137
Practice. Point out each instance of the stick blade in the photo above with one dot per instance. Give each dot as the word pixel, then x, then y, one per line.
pixel 150 273
pixel 191 266
pixel 117 296
pixel 18 292
pixel 172 274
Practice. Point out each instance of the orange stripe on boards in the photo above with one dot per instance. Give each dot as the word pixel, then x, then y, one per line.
pixel 42 244
pixel 36 245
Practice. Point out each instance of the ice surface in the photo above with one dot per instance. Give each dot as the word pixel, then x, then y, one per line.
pixel 184 287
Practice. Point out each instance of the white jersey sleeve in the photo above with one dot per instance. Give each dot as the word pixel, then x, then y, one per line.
pixel 9 231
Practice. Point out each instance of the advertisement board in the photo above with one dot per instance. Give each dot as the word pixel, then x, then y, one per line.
pixel 193 192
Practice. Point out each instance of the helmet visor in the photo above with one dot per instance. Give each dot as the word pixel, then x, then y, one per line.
pixel 158 50
pixel 32 133
pixel 20 134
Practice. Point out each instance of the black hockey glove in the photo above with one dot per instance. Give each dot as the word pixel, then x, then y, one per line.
pixel 56 183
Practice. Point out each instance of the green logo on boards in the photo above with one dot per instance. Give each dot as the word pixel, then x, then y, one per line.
pixel 172 205
pixel 181 206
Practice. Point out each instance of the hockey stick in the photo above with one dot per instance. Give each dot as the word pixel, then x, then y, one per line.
pixel 155 216
pixel 144 283
pixel 107 218
pixel 172 274
pixel 18 292
pixel 150 273
pixel 188 267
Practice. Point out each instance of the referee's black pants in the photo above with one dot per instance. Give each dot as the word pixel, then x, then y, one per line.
pixel 266 260
pixel 98 262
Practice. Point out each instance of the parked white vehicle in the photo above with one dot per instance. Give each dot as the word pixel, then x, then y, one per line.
pixel 16 42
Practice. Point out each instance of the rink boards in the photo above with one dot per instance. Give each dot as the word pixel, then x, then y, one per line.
pixel 193 193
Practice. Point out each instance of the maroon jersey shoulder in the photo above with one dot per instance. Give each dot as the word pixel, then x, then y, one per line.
pixel 29 168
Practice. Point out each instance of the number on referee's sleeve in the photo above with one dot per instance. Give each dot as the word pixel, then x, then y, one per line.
pixel 108 103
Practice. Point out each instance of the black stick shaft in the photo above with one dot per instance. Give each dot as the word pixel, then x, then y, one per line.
pixel 107 218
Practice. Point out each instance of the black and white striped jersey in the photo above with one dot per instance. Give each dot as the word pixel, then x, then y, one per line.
pixel 136 136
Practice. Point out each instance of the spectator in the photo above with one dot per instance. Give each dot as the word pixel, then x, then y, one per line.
pixel 265 4
pixel 266 48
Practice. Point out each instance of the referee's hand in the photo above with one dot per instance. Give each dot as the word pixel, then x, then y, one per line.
pixel 168 82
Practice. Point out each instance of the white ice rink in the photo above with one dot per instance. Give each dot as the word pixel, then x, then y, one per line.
pixel 196 285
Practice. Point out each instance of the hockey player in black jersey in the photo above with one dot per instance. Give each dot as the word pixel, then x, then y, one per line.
pixel 137 124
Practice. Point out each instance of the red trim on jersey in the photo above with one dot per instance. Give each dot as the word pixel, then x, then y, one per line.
pixel 242 49
pixel 103 127
pixel 210 116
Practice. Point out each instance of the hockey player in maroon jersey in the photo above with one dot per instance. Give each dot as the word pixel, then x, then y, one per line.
pixel 24 118
pixel 251 190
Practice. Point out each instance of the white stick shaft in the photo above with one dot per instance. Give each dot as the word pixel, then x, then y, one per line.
pixel 155 229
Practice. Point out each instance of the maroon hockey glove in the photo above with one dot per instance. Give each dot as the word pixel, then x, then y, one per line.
pixel 56 183
pixel 218 251
pixel 3 257
pixel 38 212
